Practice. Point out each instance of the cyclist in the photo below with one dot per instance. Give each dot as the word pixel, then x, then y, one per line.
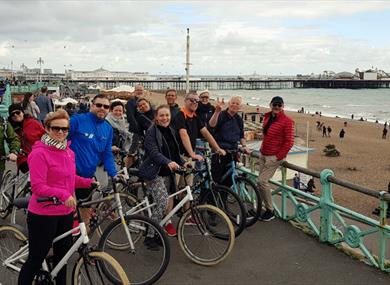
pixel 162 155
pixel 144 116
pixel 228 132
pixel 7 135
pixel 28 129
pixel 121 139
pixel 91 137
pixel 52 174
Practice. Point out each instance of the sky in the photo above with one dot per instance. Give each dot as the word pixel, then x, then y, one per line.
pixel 227 37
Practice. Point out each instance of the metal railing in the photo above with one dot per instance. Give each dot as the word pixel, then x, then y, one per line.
pixel 361 236
pixel 33 87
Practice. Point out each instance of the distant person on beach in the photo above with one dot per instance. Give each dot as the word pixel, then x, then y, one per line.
pixel 345 124
pixel 361 119
pixel 44 104
pixel 296 181
pixel 205 109
pixel 170 97
pixel 329 129
pixel 310 186
pixel 324 131
pixel 278 138
pixel 342 134
pixel 384 133
pixel 352 117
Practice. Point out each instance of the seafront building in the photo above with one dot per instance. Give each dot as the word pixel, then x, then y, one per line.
pixel 103 74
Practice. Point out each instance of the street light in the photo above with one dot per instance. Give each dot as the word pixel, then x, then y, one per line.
pixel 40 62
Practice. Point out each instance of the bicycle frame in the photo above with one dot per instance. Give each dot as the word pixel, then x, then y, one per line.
pixel 140 207
pixel 23 252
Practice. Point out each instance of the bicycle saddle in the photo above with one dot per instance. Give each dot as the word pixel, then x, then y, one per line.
pixel 21 203
pixel 133 172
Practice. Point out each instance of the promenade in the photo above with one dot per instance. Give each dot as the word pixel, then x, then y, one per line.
pixel 275 253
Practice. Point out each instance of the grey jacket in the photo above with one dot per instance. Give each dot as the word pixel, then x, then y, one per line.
pixel 44 104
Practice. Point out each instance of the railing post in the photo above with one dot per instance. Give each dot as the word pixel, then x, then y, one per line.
pixel 325 209
pixel 284 194
pixel 382 231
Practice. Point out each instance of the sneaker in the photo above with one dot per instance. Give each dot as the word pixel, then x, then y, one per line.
pixel 75 225
pixel 267 216
pixel 170 230
pixel 190 222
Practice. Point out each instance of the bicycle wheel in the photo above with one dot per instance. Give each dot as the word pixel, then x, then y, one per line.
pixel 229 202
pixel 92 270
pixel 11 240
pixel 202 242
pixel 6 194
pixel 144 264
pixel 127 201
pixel 250 196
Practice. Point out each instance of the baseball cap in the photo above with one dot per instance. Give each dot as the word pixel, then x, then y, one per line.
pixel 277 99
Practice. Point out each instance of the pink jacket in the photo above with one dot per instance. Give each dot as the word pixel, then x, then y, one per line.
pixel 53 174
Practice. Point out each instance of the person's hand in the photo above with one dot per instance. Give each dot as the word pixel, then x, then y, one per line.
pixel 219 105
pixel 187 165
pixel 115 148
pixel 173 165
pixel 197 157
pixel 12 157
pixel 222 152
pixel 246 150
pixel 71 202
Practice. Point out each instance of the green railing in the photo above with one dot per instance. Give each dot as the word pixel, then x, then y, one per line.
pixel 359 235
pixel 33 87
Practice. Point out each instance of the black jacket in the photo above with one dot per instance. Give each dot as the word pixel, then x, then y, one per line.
pixel 154 157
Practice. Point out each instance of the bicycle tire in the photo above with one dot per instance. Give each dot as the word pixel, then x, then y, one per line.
pixel 202 228
pixel 128 201
pixel 5 188
pixel 98 260
pixel 251 199
pixel 229 202
pixel 11 240
pixel 140 263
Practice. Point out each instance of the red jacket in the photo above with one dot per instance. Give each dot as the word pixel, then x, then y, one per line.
pixel 31 132
pixel 280 136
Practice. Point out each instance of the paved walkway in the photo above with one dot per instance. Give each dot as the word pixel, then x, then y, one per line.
pixel 275 253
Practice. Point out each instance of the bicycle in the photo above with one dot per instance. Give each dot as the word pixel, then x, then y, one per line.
pixel 207 191
pixel 126 242
pixel 219 232
pixel 245 188
pixel 90 268
pixel 13 186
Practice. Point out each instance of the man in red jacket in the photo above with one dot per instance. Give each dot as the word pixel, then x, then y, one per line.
pixel 278 138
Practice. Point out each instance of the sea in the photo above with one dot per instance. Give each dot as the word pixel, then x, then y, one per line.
pixel 369 104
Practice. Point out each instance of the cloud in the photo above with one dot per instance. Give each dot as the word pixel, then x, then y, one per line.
pixel 227 37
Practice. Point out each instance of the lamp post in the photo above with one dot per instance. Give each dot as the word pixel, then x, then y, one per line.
pixel 40 62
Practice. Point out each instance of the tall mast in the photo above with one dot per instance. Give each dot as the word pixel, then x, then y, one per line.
pixel 188 62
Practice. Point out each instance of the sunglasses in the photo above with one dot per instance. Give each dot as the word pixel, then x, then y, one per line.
pixel 100 105
pixel 277 105
pixel 16 113
pixel 204 97
pixel 193 100
pixel 58 129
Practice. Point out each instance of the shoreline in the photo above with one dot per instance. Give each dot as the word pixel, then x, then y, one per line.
pixel 364 160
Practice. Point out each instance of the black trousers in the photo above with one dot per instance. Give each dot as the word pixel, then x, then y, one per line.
pixel 41 232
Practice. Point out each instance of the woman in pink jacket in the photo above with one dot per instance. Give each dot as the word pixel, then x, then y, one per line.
pixel 52 174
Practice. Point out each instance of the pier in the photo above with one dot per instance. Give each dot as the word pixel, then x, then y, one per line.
pixel 236 84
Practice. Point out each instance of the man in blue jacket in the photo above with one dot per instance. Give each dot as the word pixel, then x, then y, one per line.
pixel 91 141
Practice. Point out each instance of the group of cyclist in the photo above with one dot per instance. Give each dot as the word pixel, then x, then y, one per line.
pixel 64 153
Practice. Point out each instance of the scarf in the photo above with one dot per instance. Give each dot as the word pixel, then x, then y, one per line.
pixel 119 124
pixel 52 142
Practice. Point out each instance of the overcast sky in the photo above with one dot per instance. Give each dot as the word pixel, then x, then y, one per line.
pixel 227 37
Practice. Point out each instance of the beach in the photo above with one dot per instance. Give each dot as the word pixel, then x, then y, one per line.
pixel 364 160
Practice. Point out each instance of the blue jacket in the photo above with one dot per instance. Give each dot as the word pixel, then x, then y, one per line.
pixel 91 142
